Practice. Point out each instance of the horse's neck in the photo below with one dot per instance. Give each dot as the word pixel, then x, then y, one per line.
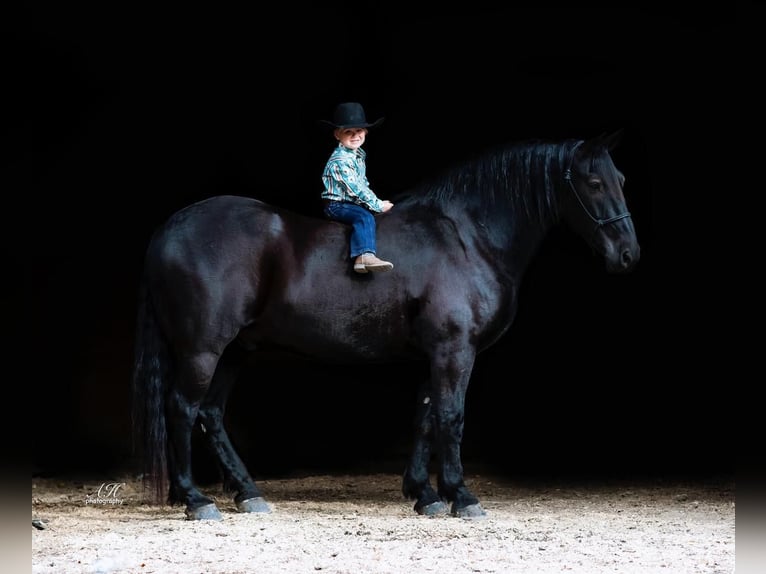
pixel 506 231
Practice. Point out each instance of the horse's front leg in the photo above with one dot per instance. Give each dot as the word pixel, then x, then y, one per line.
pixel 416 484
pixel 451 372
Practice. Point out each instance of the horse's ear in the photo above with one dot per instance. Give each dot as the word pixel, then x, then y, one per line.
pixel 611 141
pixel 604 141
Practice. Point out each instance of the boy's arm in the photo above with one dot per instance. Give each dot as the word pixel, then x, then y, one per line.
pixel 354 187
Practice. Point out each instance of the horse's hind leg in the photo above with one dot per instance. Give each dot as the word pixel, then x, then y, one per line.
pixel 182 408
pixel 248 497
pixel 415 484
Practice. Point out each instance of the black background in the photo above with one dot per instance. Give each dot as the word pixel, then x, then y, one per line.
pixel 121 118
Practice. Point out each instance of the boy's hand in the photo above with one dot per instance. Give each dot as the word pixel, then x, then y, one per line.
pixel 386 205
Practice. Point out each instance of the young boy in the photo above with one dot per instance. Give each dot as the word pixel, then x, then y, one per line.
pixel 347 195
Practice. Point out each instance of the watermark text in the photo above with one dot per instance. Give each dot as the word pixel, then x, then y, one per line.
pixel 107 493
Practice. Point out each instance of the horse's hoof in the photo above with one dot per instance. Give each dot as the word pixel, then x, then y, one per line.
pixel 433 509
pixel 471 511
pixel 257 504
pixel 207 512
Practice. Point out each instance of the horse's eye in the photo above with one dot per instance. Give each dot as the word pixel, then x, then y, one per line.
pixel 594 183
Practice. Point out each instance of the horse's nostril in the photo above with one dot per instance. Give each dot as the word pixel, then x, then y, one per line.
pixel 628 259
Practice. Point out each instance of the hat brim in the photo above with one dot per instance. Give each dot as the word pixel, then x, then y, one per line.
pixel 374 124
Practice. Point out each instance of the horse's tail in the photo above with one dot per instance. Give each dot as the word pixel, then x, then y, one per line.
pixel 150 371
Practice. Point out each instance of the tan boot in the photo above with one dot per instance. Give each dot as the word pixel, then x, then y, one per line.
pixel 369 262
pixel 359 264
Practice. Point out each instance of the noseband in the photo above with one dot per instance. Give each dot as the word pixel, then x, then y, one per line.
pixel 596 220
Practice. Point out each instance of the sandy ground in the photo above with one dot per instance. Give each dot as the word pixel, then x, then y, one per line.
pixel 361 524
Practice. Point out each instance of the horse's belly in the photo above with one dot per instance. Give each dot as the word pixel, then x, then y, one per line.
pixel 333 337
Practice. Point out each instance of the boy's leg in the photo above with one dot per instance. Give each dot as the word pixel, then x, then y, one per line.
pixel 363 235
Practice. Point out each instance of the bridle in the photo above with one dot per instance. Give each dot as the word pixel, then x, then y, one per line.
pixel 596 220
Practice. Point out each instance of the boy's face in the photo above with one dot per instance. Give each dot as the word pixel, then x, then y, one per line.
pixel 352 138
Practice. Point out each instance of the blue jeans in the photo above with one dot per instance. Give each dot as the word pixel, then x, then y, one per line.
pixel 362 223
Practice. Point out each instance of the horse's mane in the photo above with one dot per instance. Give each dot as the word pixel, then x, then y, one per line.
pixel 522 174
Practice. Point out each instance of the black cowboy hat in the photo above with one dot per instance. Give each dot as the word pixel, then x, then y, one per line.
pixel 350 115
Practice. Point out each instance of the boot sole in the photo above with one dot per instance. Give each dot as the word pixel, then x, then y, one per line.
pixel 379 267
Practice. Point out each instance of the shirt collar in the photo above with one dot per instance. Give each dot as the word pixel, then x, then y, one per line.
pixel 358 152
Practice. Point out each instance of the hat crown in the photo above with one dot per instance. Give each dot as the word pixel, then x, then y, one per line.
pixel 349 113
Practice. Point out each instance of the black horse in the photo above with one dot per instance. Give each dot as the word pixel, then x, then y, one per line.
pixel 231 274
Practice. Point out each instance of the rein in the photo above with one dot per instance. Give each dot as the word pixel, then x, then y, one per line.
pixel 568 178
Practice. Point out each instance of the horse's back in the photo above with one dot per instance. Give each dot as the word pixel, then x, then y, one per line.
pixel 216 233
pixel 212 221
